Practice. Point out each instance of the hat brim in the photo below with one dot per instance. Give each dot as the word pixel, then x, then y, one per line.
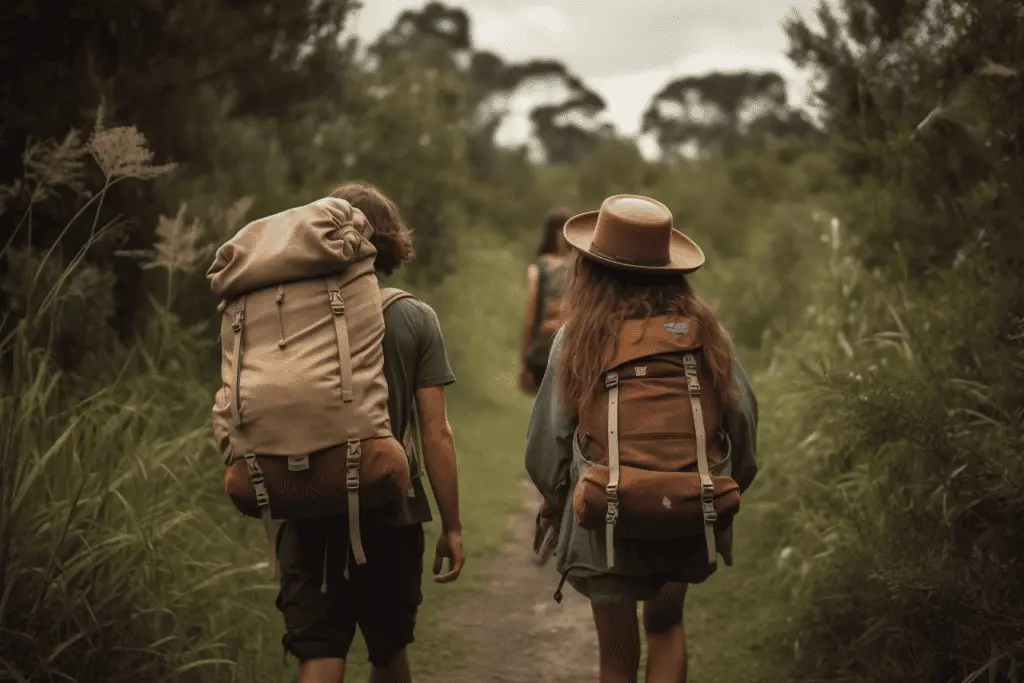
pixel 684 255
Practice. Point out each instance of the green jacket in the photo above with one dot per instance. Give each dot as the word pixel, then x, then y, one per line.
pixel 550 455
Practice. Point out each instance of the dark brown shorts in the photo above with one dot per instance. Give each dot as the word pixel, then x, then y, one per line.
pixel 381 597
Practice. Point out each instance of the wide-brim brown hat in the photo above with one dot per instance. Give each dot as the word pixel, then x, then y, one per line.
pixel 633 232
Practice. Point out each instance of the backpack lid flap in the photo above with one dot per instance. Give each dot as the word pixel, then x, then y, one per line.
pixel 304 242
pixel 639 338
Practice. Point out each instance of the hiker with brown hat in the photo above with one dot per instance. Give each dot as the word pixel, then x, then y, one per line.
pixel 643 433
pixel 332 406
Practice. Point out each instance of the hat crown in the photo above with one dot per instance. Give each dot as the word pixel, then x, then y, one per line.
pixel 633 232
pixel 637 209
pixel 634 229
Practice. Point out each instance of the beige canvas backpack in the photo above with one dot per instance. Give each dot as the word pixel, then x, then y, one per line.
pixel 301 418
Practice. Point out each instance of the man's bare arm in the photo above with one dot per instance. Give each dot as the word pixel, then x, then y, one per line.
pixel 439 455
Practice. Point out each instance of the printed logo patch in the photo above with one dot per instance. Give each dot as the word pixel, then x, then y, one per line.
pixel 641 371
pixel 676 327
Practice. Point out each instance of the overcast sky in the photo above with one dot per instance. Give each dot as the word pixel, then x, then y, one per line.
pixel 624 49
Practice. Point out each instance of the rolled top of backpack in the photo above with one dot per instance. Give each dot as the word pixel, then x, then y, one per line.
pixel 309 241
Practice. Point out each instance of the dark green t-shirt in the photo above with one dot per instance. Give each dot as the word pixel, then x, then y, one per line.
pixel 414 358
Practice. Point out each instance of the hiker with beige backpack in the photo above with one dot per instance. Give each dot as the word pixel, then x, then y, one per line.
pixel 643 433
pixel 323 366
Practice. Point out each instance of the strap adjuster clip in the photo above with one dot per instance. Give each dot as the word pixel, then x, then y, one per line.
pixel 707 502
pixel 236 324
pixel 612 515
pixel 337 303
pixel 611 380
pixel 352 458
pixel 707 492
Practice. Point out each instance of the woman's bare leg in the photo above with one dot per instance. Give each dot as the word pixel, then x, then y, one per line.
pixel 618 641
pixel 666 637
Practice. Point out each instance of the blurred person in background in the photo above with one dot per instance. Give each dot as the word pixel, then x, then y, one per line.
pixel 545 283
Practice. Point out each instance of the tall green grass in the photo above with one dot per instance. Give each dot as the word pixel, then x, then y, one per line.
pixel 878 542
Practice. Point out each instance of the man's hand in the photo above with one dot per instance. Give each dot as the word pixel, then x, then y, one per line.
pixel 449 545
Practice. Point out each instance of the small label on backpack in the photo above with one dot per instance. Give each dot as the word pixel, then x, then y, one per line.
pixel 298 463
pixel 676 327
pixel 641 371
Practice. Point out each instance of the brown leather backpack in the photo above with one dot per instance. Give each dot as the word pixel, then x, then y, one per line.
pixel 655 474
pixel 301 417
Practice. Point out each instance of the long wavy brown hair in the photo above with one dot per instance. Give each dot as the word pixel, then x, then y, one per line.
pixel 598 299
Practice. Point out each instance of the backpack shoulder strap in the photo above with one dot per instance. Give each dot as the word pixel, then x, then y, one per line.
pixel 390 295
pixel 707 486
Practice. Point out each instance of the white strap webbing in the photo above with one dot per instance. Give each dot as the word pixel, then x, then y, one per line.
pixel 707 487
pixel 612 516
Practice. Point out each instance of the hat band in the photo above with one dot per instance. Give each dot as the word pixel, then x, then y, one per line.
pixel 657 263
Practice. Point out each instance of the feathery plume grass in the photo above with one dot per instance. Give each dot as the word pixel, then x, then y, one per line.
pixel 123 152
pixel 178 246
pixel 54 164
pixel 227 221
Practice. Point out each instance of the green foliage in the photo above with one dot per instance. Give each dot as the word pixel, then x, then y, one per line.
pixel 899 451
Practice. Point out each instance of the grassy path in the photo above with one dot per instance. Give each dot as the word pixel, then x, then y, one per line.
pixel 517 632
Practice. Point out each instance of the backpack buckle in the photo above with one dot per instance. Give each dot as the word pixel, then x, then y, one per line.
pixel 612 515
pixel 710 515
pixel 352 458
pixel 236 324
pixel 337 303
pixel 707 492
pixel 707 502
pixel 611 380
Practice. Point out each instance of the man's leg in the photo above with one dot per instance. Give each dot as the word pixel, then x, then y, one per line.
pixel 319 627
pixel 666 637
pixel 389 596
pixel 618 640
pixel 395 671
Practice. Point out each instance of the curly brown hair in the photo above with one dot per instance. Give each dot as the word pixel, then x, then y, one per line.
pixel 599 298
pixel 391 237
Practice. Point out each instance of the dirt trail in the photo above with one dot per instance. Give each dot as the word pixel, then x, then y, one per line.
pixel 519 633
